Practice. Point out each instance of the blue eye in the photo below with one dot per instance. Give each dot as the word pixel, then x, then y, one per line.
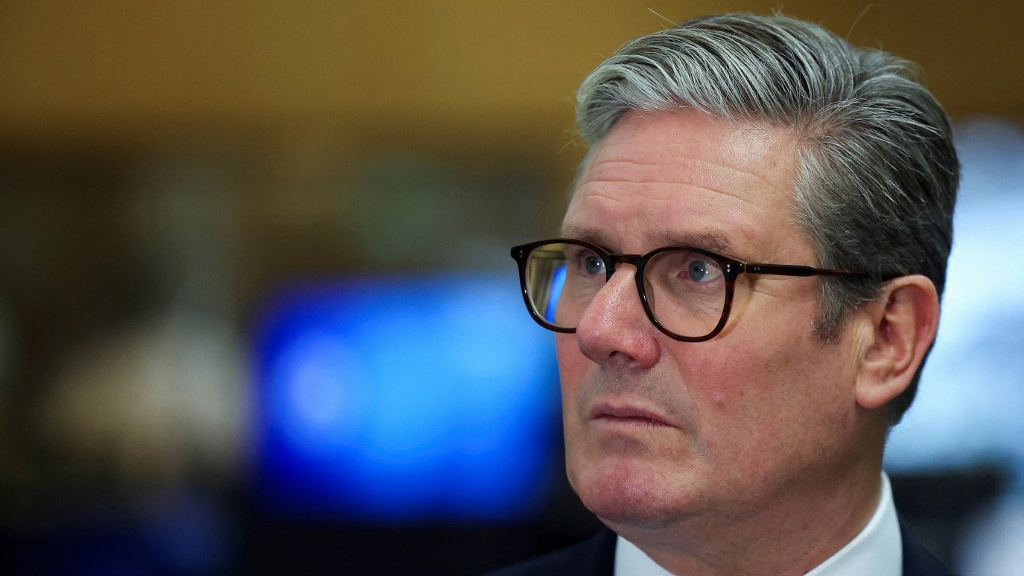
pixel 698 270
pixel 593 265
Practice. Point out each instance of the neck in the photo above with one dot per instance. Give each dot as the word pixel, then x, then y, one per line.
pixel 796 531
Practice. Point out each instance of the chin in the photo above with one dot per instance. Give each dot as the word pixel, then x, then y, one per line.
pixel 630 494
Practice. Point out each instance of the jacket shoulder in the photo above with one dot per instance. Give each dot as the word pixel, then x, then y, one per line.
pixel 917 560
pixel 593 557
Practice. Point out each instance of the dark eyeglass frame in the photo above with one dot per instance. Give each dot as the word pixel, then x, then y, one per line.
pixel 731 269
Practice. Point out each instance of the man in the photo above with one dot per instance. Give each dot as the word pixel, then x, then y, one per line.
pixel 745 289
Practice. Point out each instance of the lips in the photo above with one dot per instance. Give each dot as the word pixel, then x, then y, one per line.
pixel 625 414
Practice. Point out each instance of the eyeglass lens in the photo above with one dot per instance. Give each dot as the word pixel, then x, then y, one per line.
pixel 685 289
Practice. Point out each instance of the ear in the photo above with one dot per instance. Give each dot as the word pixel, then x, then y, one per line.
pixel 904 326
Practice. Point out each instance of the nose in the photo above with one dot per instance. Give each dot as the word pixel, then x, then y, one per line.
pixel 614 330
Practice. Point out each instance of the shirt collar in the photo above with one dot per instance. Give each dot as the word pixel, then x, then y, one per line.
pixel 876 550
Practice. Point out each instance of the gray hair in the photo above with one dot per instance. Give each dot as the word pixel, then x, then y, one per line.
pixel 877 173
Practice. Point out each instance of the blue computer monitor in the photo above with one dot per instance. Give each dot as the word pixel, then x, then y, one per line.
pixel 406 399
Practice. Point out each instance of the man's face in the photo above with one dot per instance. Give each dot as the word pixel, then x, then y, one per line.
pixel 657 430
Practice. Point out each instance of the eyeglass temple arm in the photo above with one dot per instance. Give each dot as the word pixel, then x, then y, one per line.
pixel 791 270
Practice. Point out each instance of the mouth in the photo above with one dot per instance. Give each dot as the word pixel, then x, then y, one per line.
pixel 627 415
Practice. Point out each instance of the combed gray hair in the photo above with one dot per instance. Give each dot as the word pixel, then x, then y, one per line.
pixel 878 173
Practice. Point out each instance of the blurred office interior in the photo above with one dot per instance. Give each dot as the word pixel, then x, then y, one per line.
pixel 257 313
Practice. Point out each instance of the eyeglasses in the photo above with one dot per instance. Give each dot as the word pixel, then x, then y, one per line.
pixel 686 292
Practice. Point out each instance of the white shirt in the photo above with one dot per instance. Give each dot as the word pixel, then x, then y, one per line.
pixel 876 550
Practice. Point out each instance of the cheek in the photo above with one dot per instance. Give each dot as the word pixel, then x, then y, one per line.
pixel 773 404
pixel 722 379
pixel 570 359
pixel 572 366
pixel 751 391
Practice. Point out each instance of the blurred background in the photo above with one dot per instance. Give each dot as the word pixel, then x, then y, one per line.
pixel 257 313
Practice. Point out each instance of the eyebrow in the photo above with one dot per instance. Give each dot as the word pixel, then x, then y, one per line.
pixel 712 240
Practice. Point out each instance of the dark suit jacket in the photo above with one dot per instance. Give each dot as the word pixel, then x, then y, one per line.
pixel 596 557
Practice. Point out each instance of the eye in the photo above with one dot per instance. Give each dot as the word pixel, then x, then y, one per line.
pixel 702 270
pixel 592 264
pixel 584 262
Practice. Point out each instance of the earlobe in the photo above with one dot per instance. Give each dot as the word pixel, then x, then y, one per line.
pixel 904 327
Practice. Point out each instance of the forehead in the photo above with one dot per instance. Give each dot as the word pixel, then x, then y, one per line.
pixel 683 178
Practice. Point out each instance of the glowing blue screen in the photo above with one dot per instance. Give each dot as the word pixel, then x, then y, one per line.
pixel 407 399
